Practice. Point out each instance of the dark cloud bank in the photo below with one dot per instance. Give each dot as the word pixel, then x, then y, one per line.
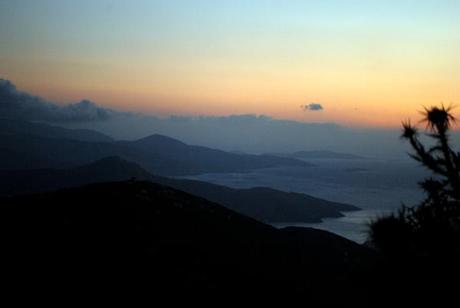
pixel 15 104
pixel 245 133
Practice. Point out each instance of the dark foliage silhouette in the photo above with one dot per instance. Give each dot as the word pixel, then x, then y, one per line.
pixel 438 216
pixel 421 244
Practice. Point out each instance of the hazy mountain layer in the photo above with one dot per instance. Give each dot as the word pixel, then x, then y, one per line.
pixel 29 145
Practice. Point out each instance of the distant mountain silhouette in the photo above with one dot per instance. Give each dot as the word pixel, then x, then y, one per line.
pixel 318 155
pixel 32 147
pixel 151 239
pixel 264 204
pixel 198 159
pixel 18 127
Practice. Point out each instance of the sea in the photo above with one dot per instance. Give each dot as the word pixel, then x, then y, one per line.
pixel 378 186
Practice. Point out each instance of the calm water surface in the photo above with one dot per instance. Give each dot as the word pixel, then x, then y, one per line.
pixel 377 186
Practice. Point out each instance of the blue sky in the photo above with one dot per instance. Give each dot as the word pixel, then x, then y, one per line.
pixel 222 57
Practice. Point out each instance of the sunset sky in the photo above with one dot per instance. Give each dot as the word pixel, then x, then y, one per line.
pixel 368 63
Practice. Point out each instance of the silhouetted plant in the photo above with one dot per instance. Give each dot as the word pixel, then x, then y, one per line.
pixel 433 227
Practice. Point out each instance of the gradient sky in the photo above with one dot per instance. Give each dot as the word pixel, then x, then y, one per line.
pixel 369 63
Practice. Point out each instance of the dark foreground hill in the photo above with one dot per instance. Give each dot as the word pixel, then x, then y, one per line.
pixel 261 203
pixel 31 145
pixel 155 240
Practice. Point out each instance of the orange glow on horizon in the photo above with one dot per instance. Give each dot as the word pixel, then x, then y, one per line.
pixel 369 64
pixel 378 114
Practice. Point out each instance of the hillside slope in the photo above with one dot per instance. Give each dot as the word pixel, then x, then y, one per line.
pixel 154 239
pixel 264 204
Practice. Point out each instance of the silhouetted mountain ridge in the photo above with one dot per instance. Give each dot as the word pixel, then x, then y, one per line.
pixel 155 239
pixel 53 147
pixel 264 204
pixel 159 140
pixel 207 158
